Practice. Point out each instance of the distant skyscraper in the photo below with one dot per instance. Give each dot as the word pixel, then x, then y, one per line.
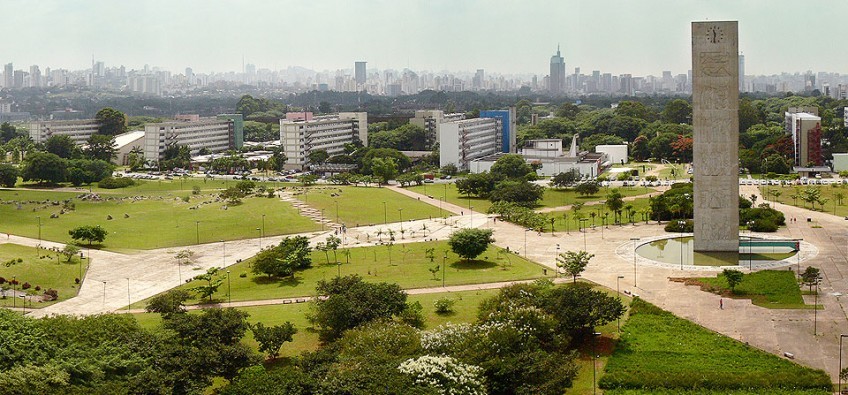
pixel 359 73
pixel 34 76
pixel 557 76
pixel 477 81
pixel 741 73
pixel 9 76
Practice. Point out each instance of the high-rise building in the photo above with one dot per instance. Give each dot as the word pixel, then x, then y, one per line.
pixel 557 76
pixel 9 76
pixel 508 127
pixel 78 130
pixel 477 81
pixel 359 73
pixel 429 120
pixel 217 135
pixel 460 142
pixel 741 73
pixel 804 125
pixel 34 76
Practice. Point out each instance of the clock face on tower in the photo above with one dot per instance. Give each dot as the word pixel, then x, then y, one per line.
pixel 714 35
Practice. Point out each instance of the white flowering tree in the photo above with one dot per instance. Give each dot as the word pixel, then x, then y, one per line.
pixel 445 374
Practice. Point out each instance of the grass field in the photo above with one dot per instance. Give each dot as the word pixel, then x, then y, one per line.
pixel 777 289
pixel 156 221
pixel 364 205
pixel 306 339
pixel 39 268
pixel 829 192
pixel 569 223
pixel 660 352
pixel 551 198
pixel 408 268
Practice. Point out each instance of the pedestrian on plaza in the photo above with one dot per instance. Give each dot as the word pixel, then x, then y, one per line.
pixel 721 304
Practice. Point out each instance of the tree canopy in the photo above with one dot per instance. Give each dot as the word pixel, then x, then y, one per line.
pixel 470 243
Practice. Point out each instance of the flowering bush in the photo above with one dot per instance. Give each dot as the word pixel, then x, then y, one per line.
pixel 445 374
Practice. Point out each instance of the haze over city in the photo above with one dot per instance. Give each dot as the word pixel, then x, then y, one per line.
pixel 500 36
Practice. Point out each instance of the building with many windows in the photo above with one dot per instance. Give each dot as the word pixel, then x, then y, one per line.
pixel 508 127
pixel 557 77
pixel 78 130
pixel 429 120
pixel 214 134
pixel 804 125
pixel 460 142
pixel 303 134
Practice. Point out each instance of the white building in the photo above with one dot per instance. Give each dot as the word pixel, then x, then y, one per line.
pixel 551 159
pixel 125 143
pixel 840 162
pixel 79 130
pixel 429 120
pixel 303 135
pixel 616 154
pixel 217 135
pixel 804 125
pixel 460 142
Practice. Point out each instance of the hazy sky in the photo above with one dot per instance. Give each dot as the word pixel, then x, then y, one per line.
pixel 501 36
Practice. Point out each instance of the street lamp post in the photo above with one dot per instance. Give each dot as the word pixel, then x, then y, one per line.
pixel 263 224
pixel 229 294
pixel 385 214
pixel 129 299
pixel 400 215
pixel 14 291
pixel 839 373
pixel 260 237
pixel 196 232
pixel 556 261
pixel 583 225
pixel 104 295
pixel 39 231
pixel 750 246
pixel 618 291
pixel 798 253
pixel 634 240
pixel 470 216
pixel 815 309
pixel 682 225
pixel 594 361
pixel 444 270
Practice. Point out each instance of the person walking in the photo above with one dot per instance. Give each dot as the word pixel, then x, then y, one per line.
pixel 721 304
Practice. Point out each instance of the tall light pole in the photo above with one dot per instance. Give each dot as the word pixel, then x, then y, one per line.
pixel 594 361
pixel 400 214
pixel 470 216
pixel 556 262
pixel 815 309
pixel 444 265
pixel 750 246
pixel 229 294
pixel 14 291
pixel 583 225
pixel 798 253
pixel 129 300
pixel 634 240
pixel 104 295
pixel 39 231
pixel 260 237
pixel 618 291
pixel 263 225
pixel 839 373
pixel 196 232
pixel 682 225
pixel 385 214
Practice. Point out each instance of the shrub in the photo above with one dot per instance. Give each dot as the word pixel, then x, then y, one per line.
pixel 674 226
pixel 195 190
pixel 52 294
pixel 26 286
pixel 114 183
pixel 444 305
pixel 186 198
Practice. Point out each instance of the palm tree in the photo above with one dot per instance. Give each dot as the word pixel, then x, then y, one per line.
pixel 839 196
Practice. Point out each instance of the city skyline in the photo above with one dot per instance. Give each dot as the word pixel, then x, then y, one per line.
pixel 641 38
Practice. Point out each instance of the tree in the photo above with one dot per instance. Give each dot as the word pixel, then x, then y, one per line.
pixel 578 308
pixel 810 277
pixel 271 338
pixel 470 243
pixel 449 169
pixel 565 179
pixel 293 253
pixel 574 262
pixel 213 282
pixel 476 184
pixel 384 168
pixel 567 110
pixel 317 157
pixel 170 302
pixel 519 191
pixel 101 147
pixel 615 202
pixel 61 145
pixel 88 233
pixel 8 175
pixel 677 111
pixel 45 168
pixel 351 302
pixel 587 188
pixel 70 251
pixel 307 179
pixel 510 166
pixel 733 278
pixel 112 122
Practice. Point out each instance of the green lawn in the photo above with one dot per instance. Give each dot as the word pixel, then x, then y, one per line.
pixel 551 198
pixel 306 339
pixel 364 205
pixel 39 268
pixel 156 221
pixel 570 224
pixel 408 268
pixel 828 192
pixel 776 289
pixel 659 351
